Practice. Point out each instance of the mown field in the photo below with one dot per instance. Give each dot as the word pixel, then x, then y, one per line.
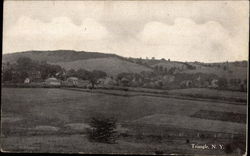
pixel 54 120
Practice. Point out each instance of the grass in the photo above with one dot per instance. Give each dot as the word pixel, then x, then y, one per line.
pixel 30 114
pixel 80 144
pixel 110 65
pixel 223 116
pixel 211 94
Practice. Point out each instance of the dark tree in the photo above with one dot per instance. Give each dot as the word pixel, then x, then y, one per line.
pixel 7 72
pixel 171 70
pixel 222 83
pixel 94 76
pixel 71 73
pixel 82 74
pixel 165 70
pixel 224 68
pixel 160 69
pixel 24 63
pixel 156 68
pixel 103 129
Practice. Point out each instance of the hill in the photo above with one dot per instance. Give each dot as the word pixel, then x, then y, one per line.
pixel 110 65
pixel 56 56
pixel 229 70
pixel 114 64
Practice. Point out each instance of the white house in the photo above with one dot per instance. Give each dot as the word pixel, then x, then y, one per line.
pixel 52 81
pixel 27 80
pixel 73 80
pixel 214 83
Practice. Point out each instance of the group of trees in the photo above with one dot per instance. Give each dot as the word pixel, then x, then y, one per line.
pixel 159 79
pixel 103 129
pixel 91 76
pixel 163 70
pixel 234 84
pixel 26 67
pixel 39 71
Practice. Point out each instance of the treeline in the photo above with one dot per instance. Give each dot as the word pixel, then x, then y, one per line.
pixel 26 67
pixel 40 71
pixel 160 79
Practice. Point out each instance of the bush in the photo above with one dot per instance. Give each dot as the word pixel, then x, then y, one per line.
pixel 222 83
pixel 103 129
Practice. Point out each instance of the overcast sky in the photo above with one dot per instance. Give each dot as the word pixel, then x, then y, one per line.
pixel 209 31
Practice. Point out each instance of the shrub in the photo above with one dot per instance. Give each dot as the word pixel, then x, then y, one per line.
pixel 222 83
pixel 103 129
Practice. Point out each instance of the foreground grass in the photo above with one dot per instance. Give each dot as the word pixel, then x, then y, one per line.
pixel 31 114
pixel 80 144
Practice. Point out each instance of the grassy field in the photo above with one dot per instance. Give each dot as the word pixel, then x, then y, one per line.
pixel 111 65
pixel 211 93
pixel 53 120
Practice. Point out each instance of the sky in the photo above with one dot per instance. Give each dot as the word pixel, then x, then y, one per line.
pixel 205 31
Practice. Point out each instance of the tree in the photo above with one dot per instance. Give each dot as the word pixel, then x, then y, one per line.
pixel 222 83
pixel 24 63
pixel 165 70
pixel 71 73
pixel 82 74
pixel 103 129
pixel 54 70
pixel 7 75
pixel 171 70
pixel 23 75
pixel 94 76
pixel 156 68
pixel 160 69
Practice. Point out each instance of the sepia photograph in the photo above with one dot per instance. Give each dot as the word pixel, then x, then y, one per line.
pixel 125 77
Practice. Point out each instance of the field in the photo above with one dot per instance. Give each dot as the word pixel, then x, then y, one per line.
pixel 112 66
pixel 54 120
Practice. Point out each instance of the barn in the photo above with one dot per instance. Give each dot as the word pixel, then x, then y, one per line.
pixel 52 81
pixel 73 81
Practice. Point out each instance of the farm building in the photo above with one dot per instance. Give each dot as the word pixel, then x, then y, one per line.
pixel 186 83
pixel 27 80
pixel 214 83
pixel 73 81
pixel 52 81
pixel 168 78
pixel 107 81
pixel 83 83
pixel 35 75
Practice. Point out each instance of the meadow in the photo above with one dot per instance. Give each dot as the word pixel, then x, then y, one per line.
pixel 55 119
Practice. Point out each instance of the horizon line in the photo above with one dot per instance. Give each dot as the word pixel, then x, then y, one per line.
pixel 122 56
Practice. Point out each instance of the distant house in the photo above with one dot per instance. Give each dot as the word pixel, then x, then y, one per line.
pixel 73 81
pixel 27 81
pixel 243 86
pixel 52 81
pixel 109 81
pixel 214 83
pixel 83 83
pixel 124 82
pixel 205 84
pixel 35 75
pixel 168 78
pixel 186 83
